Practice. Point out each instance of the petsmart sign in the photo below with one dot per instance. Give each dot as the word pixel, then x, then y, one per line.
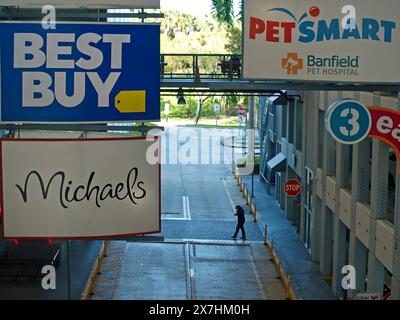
pixel 322 40
pixel 69 189
pixel 90 72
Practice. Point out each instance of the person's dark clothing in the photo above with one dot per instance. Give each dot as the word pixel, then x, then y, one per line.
pixel 240 227
pixel 240 215
pixel 240 224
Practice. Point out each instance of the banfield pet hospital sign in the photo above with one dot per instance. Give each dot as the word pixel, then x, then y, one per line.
pixel 79 72
pixel 322 40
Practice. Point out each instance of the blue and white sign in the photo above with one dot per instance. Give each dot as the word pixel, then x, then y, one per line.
pixel 348 121
pixel 355 41
pixel 79 72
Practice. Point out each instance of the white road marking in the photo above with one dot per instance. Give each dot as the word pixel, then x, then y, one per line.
pixel 229 196
pixel 185 209
pixel 184 205
pixel 188 213
pixel 172 218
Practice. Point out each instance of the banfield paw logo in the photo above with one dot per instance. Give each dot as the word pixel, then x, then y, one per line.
pixel 293 64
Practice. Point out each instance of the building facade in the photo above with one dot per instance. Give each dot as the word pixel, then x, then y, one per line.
pixel 349 211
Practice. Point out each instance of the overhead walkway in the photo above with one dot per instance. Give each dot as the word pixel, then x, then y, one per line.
pixel 223 73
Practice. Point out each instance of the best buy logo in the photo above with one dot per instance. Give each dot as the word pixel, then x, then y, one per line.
pixel 58 67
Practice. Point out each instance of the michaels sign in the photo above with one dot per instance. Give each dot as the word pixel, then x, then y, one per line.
pixel 79 72
pixel 322 40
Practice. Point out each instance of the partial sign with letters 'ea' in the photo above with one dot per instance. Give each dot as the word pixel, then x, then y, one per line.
pixel 75 189
pixel 350 122
pixel 322 40
pixel 90 72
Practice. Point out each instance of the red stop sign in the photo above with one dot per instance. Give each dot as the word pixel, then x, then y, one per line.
pixel 293 187
pixel 241 111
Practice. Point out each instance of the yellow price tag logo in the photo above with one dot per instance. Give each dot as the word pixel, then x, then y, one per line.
pixel 131 101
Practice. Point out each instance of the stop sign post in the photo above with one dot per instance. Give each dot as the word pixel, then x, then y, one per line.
pixel 293 187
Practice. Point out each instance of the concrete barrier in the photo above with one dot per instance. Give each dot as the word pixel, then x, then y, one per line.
pixel 96 270
pixel 285 278
pixel 253 210
pixel 265 234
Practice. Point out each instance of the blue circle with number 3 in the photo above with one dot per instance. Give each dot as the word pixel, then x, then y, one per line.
pixel 348 121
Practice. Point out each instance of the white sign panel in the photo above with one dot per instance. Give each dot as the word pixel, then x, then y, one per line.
pixel 322 40
pixel 91 188
pixel 148 4
pixel 368 296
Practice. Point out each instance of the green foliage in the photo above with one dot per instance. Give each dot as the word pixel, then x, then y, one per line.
pixel 185 33
pixel 189 110
pixel 241 163
pixel 224 11
pixel 234 41
pixel 229 106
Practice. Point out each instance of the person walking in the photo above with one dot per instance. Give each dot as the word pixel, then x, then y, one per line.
pixel 240 222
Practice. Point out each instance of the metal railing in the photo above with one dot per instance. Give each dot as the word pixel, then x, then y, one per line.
pixel 201 66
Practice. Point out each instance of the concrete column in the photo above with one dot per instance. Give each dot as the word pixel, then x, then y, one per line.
pixel 302 226
pixel 325 260
pixel 361 171
pixel 316 234
pixel 307 160
pixel 289 208
pixel 287 110
pixel 340 165
pixel 339 255
pixel 375 275
pixel 397 207
pixel 340 174
pixel 379 178
pixel 251 111
pixel 395 289
pixel 329 169
pixel 329 155
pixel 358 259
pixel 397 195
pixel 295 111
pixel 311 150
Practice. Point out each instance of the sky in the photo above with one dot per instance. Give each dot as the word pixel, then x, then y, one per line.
pixel 197 7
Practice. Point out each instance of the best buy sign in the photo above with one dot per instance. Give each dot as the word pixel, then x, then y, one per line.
pixel 79 72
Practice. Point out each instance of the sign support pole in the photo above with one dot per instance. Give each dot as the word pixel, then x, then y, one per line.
pixel 233 154
pixel 251 139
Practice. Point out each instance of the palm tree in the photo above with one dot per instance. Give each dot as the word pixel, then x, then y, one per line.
pixel 224 10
